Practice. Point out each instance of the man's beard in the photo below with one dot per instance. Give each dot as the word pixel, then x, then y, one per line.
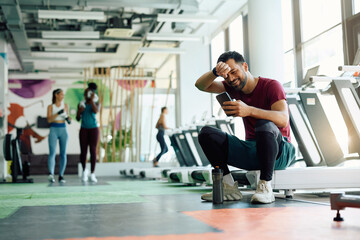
pixel 242 83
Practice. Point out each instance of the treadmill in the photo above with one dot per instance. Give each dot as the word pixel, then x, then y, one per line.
pixel 330 148
pixel 304 134
pixel 320 176
pixel 349 104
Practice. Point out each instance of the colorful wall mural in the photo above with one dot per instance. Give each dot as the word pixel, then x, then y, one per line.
pixel 29 102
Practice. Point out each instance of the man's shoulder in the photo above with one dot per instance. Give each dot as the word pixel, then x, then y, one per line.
pixel 270 82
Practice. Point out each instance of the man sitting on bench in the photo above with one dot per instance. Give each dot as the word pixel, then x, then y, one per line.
pixel 261 102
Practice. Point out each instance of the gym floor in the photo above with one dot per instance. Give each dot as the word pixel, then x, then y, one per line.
pixel 137 209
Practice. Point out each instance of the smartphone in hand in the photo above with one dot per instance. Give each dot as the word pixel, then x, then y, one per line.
pixel 223 97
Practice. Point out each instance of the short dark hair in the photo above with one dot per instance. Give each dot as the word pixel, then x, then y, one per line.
pixel 92 86
pixel 162 109
pixel 238 58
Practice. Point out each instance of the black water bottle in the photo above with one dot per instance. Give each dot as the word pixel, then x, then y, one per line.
pixel 218 194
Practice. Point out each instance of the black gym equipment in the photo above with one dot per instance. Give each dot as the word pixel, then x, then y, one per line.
pixel 340 201
pixel 185 149
pixel 11 149
pixel 198 175
pixel 177 151
pixel 192 137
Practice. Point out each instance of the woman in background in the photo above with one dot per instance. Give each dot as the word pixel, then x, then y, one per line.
pixel 89 131
pixel 161 126
pixel 57 113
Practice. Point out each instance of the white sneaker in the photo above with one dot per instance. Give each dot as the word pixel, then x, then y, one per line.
pixel 84 177
pixel 263 193
pixel 93 178
pixel 61 179
pixel 51 178
pixel 231 193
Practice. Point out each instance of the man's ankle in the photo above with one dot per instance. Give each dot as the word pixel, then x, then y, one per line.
pixel 228 179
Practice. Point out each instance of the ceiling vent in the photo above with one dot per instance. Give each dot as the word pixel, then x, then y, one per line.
pixel 118 32
pixel 119 28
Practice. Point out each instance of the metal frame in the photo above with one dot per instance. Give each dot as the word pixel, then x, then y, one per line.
pixel 340 201
pixel 310 178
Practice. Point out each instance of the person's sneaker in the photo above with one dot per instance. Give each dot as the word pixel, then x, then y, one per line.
pixel 93 178
pixel 155 163
pixel 231 193
pixel 61 179
pixel 51 178
pixel 84 177
pixel 263 193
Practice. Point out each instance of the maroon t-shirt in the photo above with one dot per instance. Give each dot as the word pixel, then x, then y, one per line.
pixel 266 93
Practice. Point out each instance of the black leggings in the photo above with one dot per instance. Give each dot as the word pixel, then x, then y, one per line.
pixel 214 143
pixel 88 138
pixel 161 140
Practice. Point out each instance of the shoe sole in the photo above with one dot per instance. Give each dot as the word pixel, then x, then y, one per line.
pixel 207 200
pixel 264 202
pixel 225 199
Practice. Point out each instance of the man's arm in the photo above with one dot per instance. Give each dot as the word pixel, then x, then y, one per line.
pixel 278 114
pixel 206 82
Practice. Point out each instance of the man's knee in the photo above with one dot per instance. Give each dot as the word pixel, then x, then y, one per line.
pixel 262 126
pixel 205 133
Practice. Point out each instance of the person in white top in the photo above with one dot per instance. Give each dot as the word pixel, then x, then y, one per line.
pixel 57 114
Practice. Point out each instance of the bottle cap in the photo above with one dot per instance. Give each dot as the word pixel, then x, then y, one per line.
pixel 217 169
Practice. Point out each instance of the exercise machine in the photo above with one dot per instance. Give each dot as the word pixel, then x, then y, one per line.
pixel 319 176
pixel 349 103
pixel 325 136
pixel 12 153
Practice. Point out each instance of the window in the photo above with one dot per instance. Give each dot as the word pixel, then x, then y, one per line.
pixel 356 6
pixel 318 16
pixel 287 21
pixel 289 68
pixel 217 48
pixel 151 109
pixel 236 35
pixel 288 43
pixel 326 51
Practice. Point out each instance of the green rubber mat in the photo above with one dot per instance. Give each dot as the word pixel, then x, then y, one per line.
pixel 14 196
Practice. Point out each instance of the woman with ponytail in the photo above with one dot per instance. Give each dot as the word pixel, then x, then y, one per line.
pixel 57 114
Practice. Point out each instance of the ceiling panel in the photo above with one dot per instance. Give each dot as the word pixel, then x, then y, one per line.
pixel 138 15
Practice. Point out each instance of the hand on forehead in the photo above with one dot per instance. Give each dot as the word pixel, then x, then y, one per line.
pixel 232 64
pixel 224 66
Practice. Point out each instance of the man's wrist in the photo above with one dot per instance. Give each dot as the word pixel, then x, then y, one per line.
pixel 214 72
